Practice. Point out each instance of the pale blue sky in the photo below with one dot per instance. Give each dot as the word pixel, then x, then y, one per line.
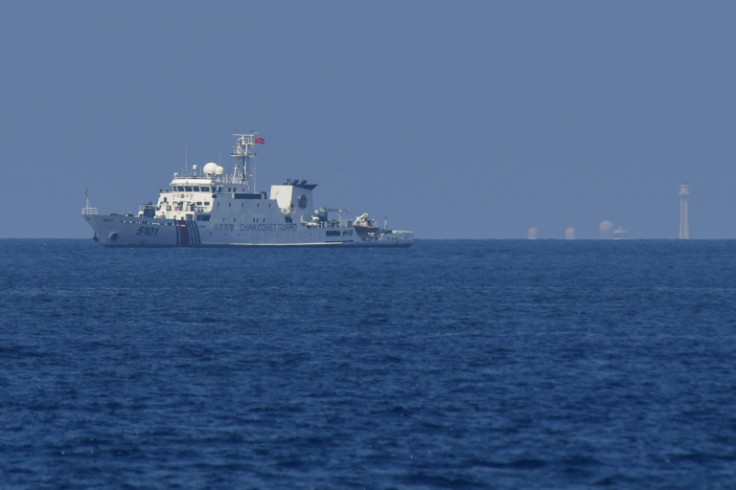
pixel 469 119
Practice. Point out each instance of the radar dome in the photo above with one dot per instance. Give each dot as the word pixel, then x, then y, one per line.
pixel 220 170
pixel 210 169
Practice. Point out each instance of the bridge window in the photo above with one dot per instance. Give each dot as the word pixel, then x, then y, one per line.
pixel 188 188
pixel 196 188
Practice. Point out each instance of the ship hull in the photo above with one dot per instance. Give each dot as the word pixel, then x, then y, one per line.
pixel 114 230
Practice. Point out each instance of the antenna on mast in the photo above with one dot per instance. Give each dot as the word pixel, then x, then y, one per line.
pixel 244 152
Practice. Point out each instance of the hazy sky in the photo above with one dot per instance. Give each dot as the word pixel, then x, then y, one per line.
pixel 457 119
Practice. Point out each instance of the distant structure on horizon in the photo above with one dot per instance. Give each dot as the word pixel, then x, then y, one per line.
pixel 532 234
pixel 605 229
pixel 569 233
pixel 684 212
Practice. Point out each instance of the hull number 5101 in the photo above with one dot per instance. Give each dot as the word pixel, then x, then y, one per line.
pixel 147 231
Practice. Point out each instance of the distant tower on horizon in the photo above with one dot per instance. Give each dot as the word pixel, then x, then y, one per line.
pixel 605 229
pixel 684 212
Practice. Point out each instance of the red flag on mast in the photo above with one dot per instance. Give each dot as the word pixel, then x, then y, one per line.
pixel 259 140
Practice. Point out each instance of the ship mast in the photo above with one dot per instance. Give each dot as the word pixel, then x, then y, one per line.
pixel 245 171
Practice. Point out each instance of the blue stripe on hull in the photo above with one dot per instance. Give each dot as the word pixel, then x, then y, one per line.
pixel 193 232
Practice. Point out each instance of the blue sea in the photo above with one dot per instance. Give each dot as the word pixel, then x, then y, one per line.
pixel 451 364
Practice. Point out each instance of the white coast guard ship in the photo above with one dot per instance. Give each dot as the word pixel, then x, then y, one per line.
pixel 214 209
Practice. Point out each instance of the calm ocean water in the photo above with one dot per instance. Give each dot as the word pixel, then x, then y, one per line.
pixel 452 364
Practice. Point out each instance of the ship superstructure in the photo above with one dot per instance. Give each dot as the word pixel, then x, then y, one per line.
pixel 213 208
